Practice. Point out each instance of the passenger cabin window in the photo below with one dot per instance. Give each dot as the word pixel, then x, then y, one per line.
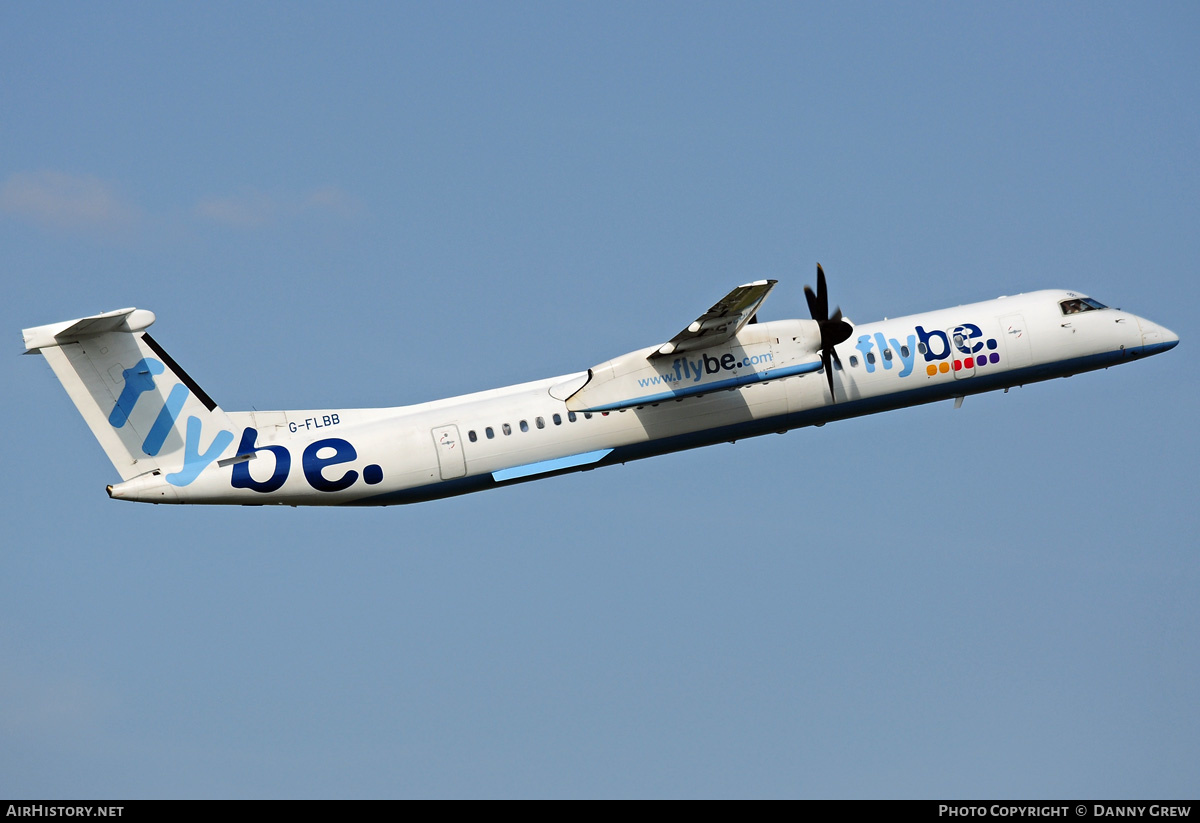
pixel 524 426
pixel 571 417
pixel 507 429
pixel 1080 304
pixel 557 419
pixel 922 348
pixel 490 434
pixel 853 360
pixel 471 436
pixel 541 423
pixel 887 354
pixel 871 357
pixel 904 351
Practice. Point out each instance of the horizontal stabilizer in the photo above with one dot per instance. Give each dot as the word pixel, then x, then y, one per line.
pixel 72 331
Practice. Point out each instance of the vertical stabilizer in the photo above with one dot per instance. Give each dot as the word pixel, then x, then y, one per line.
pixel 147 413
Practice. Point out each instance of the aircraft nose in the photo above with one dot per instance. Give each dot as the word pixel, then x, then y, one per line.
pixel 1156 338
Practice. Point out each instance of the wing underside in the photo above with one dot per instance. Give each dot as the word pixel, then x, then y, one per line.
pixel 720 323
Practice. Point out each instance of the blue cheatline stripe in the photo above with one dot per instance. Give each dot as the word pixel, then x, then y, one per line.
pixel 1155 348
pixel 544 466
pixel 845 409
pixel 704 388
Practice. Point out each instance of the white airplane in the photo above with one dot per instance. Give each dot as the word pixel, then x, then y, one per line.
pixel 724 377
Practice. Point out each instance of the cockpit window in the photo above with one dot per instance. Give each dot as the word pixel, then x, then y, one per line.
pixel 1080 304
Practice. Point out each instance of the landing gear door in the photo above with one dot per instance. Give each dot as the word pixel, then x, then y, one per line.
pixel 451 461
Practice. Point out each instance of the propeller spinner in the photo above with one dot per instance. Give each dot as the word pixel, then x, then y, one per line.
pixel 834 329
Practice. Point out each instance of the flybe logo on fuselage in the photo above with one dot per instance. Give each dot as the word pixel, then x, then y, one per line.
pixel 318 455
pixel 685 370
pixel 963 347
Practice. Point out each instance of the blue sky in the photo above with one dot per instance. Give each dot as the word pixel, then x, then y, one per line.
pixel 388 203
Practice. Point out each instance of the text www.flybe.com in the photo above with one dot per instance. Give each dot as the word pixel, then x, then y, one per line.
pixel 694 370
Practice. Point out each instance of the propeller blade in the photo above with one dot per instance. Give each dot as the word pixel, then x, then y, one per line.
pixel 828 371
pixel 812 304
pixel 834 330
pixel 822 293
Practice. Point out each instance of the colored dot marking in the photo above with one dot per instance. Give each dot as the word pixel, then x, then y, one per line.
pixel 991 344
pixel 969 363
pixel 944 367
pixel 372 474
pixel 982 361
pixel 995 358
pixel 958 365
pixel 931 370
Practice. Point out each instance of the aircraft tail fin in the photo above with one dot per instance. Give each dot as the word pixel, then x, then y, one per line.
pixel 129 390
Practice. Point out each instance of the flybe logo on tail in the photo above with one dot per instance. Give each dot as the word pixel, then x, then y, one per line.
pixel 140 379
pixel 315 460
pixel 963 347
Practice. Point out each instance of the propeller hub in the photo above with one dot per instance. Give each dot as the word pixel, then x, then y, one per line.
pixel 834 332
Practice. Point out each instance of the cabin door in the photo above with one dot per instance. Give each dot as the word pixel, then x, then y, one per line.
pixel 962 364
pixel 451 462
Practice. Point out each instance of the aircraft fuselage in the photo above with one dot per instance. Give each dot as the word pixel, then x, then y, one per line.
pixel 766 378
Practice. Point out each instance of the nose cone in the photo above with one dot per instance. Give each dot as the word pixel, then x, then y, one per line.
pixel 1156 338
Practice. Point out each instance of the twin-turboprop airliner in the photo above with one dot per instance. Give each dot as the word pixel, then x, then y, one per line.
pixel 726 376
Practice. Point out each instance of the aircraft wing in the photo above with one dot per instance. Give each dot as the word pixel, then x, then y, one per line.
pixel 721 322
